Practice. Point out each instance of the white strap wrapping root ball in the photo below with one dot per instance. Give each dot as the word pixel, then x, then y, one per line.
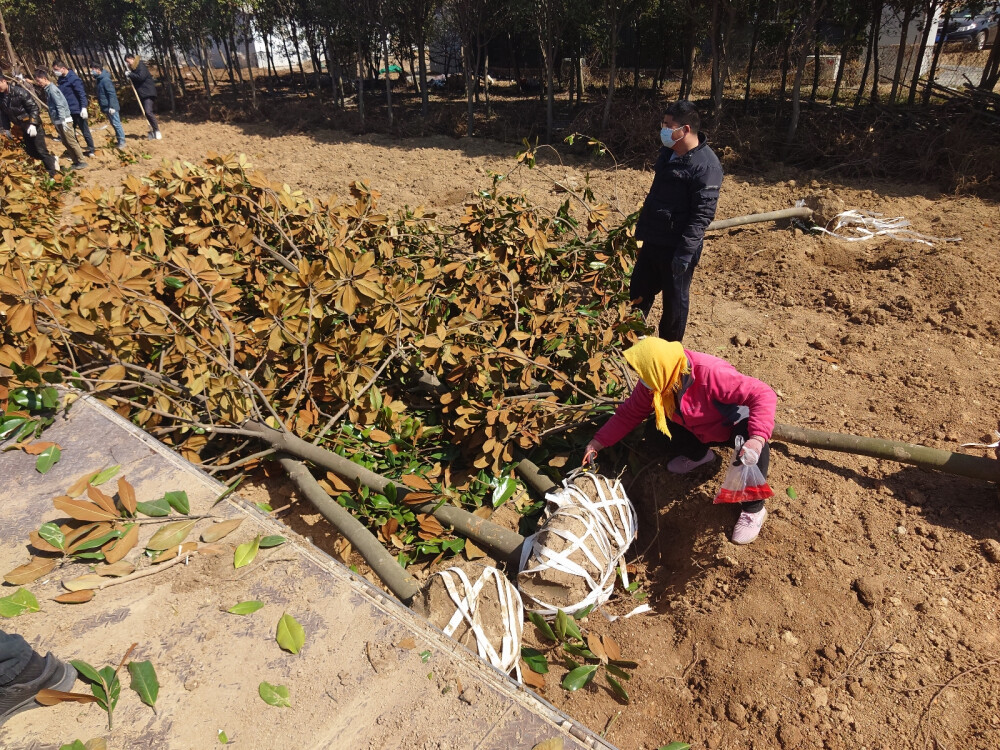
pixel 467 598
pixel 570 563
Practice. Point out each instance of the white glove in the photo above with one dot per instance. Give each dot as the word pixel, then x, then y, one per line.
pixel 68 122
pixel 111 111
pixel 31 131
pixel 751 451
pixel 83 114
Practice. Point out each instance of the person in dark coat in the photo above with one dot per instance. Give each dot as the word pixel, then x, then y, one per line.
pixel 145 87
pixel 18 107
pixel 107 100
pixel 679 207
pixel 76 97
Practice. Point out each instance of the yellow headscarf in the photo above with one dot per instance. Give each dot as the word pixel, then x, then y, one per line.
pixel 661 365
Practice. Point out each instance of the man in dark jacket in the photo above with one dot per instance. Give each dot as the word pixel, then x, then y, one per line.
pixel 679 207
pixel 17 107
pixel 76 97
pixel 107 100
pixel 145 87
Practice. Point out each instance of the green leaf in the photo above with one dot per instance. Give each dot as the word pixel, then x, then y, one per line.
pixel 246 552
pixel 144 681
pixel 245 608
pixel 579 615
pixel 676 746
pixel 503 491
pixel 104 475
pixel 98 542
pixel 290 636
pixel 274 695
pixel 566 627
pixel 171 535
pixel 178 501
pixel 230 489
pixel 52 534
pixel 583 653
pixel 53 376
pixel 173 282
pixel 539 622
pixel 50 397
pixel 264 507
pixel 579 677
pixel 87 671
pixel 47 459
pixel 272 541
pixel 9 608
pixel 623 663
pixel 223 739
pixel 617 671
pixel 10 425
pixel 74 745
pixel 155 509
pixel 24 599
pixel 425 656
pixel 535 660
pixel 617 688
pixel 794 496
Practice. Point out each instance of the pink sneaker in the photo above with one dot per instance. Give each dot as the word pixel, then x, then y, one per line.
pixel 683 464
pixel 748 527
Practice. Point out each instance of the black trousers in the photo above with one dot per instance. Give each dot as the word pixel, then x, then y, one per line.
pixel 37 149
pixel 80 124
pixel 683 442
pixel 149 108
pixel 653 274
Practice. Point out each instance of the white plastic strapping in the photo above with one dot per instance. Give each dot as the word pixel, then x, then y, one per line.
pixel 611 525
pixel 467 608
pixel 860 225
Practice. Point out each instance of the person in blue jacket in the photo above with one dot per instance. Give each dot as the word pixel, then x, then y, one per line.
pixel 76 97
pixel 107 100
pixel 678 209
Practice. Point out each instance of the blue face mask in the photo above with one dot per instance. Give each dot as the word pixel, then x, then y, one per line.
pixel 666 137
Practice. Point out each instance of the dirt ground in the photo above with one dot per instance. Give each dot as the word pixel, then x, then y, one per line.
pixel 866 615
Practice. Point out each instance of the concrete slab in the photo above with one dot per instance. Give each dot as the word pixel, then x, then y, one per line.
pixel 352 686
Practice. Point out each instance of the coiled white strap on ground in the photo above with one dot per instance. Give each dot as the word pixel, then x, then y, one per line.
pixel 613 509
pixel 866 225
pixel 467 608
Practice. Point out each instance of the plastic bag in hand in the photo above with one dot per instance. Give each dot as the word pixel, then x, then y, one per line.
pixel 743 483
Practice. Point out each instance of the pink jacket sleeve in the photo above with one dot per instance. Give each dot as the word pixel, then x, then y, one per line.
pixel 730 386
pixel 627 417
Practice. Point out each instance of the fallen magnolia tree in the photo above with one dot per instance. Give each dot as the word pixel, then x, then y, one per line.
pixel 215 308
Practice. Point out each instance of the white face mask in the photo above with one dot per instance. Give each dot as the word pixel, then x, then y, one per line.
pixel 666 136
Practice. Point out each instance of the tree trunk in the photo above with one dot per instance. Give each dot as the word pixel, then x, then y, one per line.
pixel 785 65
pixel 754 41
pixel 687 75
pixel 12 59
pixel 298 57
pixel 868 61
pixel 815 83
pixel 845 51
pixel 876 31
pixel 930 9
pixel 717 55
pixel 271 70
pixel 388 82
pixel 612 76
pixel 793 123
pixel 422 65
pixel 991 71
pixel 579 80
pixel 288 58
pixel 937 56
pixel 204 68
pixel 361 83
pixel 638 56
pixel 314 56
pixel 250 63
pixel 901 52
pixel 486 81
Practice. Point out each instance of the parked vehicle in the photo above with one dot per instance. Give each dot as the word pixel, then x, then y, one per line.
pixel 975 30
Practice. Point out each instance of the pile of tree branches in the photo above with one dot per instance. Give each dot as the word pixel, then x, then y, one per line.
pixel 205 303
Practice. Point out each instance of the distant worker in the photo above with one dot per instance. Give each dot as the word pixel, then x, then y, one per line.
pixel 697 401
pixel 19 109
pixel 679 207
pixel 145 87
pixel 23 672
pixel 107 100
pixel 61 118
pixel 72 88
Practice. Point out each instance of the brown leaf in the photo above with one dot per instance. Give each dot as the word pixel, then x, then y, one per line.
pixel 532 679
pixel 170 535
pixel 51 697
pixel 32 570
pixel 103 500
pixel 219 530
pixel 120 568
pixel 75 597
pixel 126 493
pixel 40 544
pixel 594 644
pixel 611 648
pixel 831 360
pixel 472 552
pixel 181 549
pixel 98 530
pixel 89 581
pixel 418 498
pixel 80 485
pixel 555 743
pixel 81 510
pixel 338 484
pixel 116 549
pixel 73 535
pixel 213 549
pixel 483 511
pixel 430 525
pixel 407 643
pixel 34 449
pixel 416 482
pixel 379 436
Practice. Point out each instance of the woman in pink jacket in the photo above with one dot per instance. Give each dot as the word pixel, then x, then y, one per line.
pixel 698 401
